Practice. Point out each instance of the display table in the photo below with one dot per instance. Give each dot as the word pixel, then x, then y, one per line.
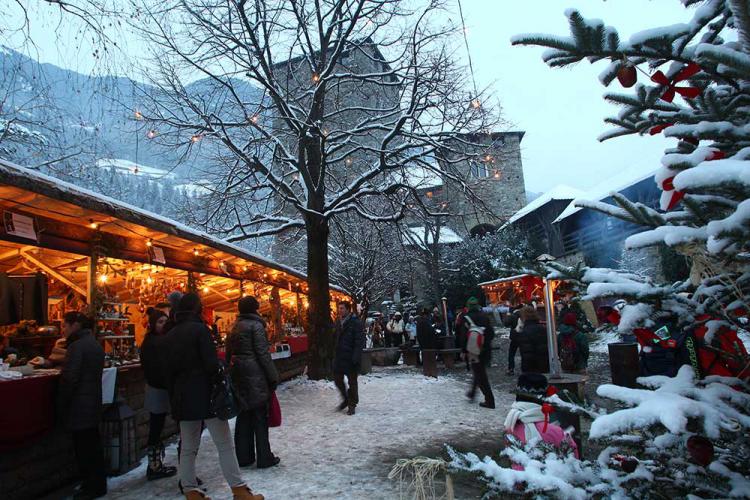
pixel 297 344
pixel 28 409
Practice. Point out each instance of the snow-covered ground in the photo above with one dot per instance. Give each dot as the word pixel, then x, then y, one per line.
pixel 325 454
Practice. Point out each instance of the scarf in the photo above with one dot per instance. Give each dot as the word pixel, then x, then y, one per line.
pixel 528 414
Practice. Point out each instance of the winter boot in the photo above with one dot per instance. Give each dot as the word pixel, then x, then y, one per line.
pixel 244 493
pixel 343 405
pixel 196 495
pixel 351 410
pixel 156 468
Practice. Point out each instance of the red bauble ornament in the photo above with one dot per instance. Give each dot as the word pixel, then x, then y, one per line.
pixel 627 75
pixel 701 450
pixel 551 391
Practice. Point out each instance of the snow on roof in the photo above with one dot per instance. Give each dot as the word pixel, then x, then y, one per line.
pixel 418 235
pixel 31 180
pixel 129 167
pixel 604 189
pixel 559 192
pixel 505 280
pixel 420 177
pixel 197 188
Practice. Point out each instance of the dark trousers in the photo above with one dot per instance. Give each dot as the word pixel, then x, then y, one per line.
pixel 351 396
pixel 155 428
pixel 480 379
pixel 512 355
pixel 87 445
pixel 251 436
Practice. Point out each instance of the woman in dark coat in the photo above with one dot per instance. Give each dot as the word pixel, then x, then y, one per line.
pixel 157 398
pixel 192 369
pixel 532 342
pixel 81 401
pixel 255 378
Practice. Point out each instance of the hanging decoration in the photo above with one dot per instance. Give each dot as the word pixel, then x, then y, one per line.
pixel 627 75
pixel 687 92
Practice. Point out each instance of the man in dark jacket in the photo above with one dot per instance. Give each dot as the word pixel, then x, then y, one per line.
pixel 512 321
pixel 425 331
pixel 533 343
pixel 255 378
pixel 350 340
pixel 81 402
pixel 479 367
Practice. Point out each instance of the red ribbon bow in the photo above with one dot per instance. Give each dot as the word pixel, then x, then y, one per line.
pixel 685 73
pixel 551 391
pixel 546 409
pixel 668 183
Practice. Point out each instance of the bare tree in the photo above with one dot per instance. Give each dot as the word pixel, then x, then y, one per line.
pixel 355 93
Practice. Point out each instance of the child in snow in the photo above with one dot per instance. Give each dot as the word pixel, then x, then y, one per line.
pixel 528 418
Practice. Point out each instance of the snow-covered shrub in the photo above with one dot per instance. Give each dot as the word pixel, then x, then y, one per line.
pixel 676 436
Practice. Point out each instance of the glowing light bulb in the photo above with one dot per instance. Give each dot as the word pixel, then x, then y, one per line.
pixel 138 115
pixel 349 161
pixel 315 78
pixel 255 118
pixel 149 243
pixel 205 289
pixel 196 138
pixel 476 103
pixel 103 278
pixel 151 134
pixel 92 224
pixel 497 174
pixel 195 252
pixel 149 280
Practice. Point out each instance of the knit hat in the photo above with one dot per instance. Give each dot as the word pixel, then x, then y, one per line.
pixel 570 319
pixel 532 384
pixel 248 305
pixel 473 302
pixel 174 299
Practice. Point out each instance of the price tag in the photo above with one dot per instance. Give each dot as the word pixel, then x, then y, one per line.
pixel 19 225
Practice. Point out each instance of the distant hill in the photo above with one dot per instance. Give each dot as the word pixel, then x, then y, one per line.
pixel 95 115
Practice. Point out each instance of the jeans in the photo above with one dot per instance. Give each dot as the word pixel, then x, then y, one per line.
pixel 251 435
pixel 351 396
pixel 155 428
pixel 190 434
pixel 481 380
pixel 87 445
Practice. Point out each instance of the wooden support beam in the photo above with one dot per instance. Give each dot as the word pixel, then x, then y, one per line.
pixel 54 273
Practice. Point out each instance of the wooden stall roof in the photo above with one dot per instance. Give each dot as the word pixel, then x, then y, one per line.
pixel 73 219
pixel 509 279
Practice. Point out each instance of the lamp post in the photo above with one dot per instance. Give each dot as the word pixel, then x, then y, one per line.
pixel 549 308
pixel 445 315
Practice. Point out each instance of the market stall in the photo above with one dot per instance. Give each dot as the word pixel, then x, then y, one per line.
pixel 63 248
pixel 515 290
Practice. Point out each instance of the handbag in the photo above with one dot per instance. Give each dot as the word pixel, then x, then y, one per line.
pixel 274 411
pixel 223 399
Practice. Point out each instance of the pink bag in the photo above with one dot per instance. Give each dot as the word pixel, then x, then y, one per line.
pixel 274 412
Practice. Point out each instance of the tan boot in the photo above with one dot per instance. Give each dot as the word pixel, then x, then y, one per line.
pixel 244 493
pixel 196 495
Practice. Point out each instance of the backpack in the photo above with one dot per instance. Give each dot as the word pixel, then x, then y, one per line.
pixel 474 338
pixel 568 352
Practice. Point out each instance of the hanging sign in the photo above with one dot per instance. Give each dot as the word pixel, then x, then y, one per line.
pixel 157 255
pixel 19 225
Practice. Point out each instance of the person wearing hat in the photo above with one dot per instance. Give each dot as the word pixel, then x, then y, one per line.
pixel 573 345
pixel 528 417
pixel 426 337
pixel 479 367
pixel 396 327
pixel 255 378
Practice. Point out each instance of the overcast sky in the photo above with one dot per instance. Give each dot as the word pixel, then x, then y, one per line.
pixel 561 110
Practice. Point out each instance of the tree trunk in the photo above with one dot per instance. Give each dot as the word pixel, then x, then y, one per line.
pixel 320 325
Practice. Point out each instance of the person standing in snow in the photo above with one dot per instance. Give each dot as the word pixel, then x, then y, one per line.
pixel 515 324
pixel 572 345
pixel 153 361
pixel 425 331
pixel 192 368
pixel 255 378
pixel 479 367
pixel 396 327
pixel 532 342
pixel 350 340
pixel 528 418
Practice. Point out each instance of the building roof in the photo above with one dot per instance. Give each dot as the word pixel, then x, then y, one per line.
pixel 615 184
pixel 509 278
pixel 40 195
pixel 559 192
pixel 417 236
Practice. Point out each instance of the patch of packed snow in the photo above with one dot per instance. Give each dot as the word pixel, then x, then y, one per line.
pixel 326 454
